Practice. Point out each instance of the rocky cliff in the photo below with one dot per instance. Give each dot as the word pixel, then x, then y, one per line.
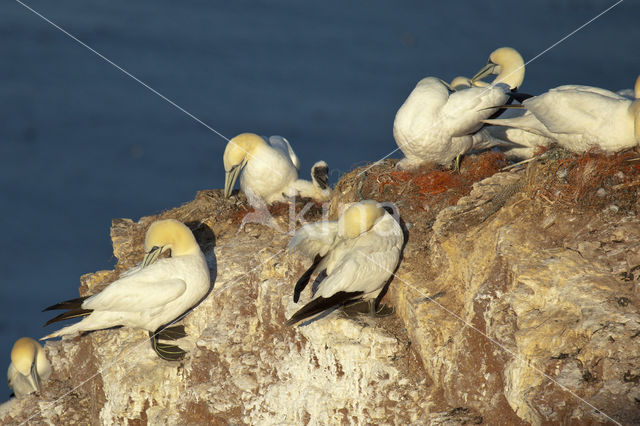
pixel 516 302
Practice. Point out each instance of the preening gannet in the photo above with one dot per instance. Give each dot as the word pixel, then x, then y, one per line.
pixel 358 253
pixel 270 171
pixel 460 82
pixel 29 367
pixel 157 293
pixel 578 118
pixel 438 124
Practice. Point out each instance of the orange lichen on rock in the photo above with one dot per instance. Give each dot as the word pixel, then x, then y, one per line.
pixel 428 185
pixel 436 182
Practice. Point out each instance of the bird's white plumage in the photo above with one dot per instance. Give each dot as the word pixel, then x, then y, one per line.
pixel 363 263
pixel 269 170
pixel 154 295
pixel 29 367
pixel 283 145
pixel 267 175
pixel 314 238
pixel 577 118
pixel 437 124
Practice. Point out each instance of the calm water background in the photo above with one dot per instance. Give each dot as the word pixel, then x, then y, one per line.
pixel 81 143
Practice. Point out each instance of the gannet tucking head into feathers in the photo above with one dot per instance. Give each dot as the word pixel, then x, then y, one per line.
pixel 508 64
pixel 439 123
pixel 150 296
pixel 461 82
pixel 356 255
pixel 270 171
pixel 29 367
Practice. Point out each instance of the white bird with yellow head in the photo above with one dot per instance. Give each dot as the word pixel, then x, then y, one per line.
pixel 29 367
pixel 358 253
pixel 268 171
pixel 438 123
pixel 152 295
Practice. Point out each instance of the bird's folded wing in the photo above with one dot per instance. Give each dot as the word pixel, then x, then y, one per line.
pixel 467 107
pixel 314 238
pixel 365 272
pixel 282 145
pixel 129 294
pixel 577 88
pixel 572 112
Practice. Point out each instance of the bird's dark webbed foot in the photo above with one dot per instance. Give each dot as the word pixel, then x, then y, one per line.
pixel 165 351
pixel 171 333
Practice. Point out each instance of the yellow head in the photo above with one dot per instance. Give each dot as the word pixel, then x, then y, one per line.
pixel 508 64
pixel 168 234
pixel 236 155
pixel 359 218
pixel 23 354
pixel 460 82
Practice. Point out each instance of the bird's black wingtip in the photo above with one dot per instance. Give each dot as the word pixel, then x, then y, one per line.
pixel 320 304
pixel 67 304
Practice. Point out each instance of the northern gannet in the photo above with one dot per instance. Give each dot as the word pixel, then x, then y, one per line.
pixel 358 253
pixel 270 171
pixel 155 294
pixel 578 118
pixel 29 367
pixel 439 124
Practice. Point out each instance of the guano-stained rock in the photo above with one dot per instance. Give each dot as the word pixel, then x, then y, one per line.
pixel 516 302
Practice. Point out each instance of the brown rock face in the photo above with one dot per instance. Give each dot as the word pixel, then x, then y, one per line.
pixel 516 302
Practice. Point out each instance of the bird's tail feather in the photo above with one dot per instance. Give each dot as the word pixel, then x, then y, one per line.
pixel 320 304
pixel 73 307
pixel 73 313
pixel 304 279
pixel 67 304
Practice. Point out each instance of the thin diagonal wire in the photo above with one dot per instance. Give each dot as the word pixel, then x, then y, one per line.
pixel 145 85
pixel 517 69
pixel 490 339
pixel 119 68
pixel 120 355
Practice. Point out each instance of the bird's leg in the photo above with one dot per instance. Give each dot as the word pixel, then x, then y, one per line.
pixel 456 163
pixel 164 351
pixel 357 308
pixel 379 311
pixel 368 308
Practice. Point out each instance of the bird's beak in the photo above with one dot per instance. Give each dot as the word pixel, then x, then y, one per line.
pixel 485 71
pixel 230 178
pixel 33 376
pixel 151 256
pixel 447 85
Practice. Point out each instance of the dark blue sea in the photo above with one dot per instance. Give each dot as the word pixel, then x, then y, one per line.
pixel 82 143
